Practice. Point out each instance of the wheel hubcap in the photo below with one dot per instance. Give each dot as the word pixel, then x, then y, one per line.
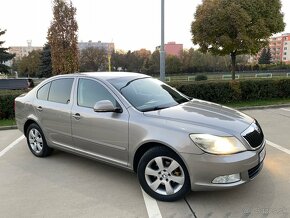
pixel 164 175
pixel 35 140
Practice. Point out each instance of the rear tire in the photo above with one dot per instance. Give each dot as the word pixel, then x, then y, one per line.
pixel 163 175
pixel 36 141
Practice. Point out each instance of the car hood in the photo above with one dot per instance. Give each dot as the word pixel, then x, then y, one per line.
pixel 206 114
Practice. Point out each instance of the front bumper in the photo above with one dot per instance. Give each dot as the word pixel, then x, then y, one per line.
pixel 204 168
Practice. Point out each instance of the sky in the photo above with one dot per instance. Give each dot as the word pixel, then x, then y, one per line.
pixel 130 24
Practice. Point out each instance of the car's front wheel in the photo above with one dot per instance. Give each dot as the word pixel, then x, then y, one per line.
pixel 163 175
pixel 36 141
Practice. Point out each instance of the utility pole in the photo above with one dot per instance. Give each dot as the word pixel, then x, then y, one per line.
pixel 162 52
pixel 109 57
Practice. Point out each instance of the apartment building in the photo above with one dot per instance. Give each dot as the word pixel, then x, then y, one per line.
pixel 21 51
pixel 280 48
pixel 109 47
pixel 172 48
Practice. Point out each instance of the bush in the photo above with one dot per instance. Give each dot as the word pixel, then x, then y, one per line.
pixel 235 91
pixel 7 103
pixel 200 77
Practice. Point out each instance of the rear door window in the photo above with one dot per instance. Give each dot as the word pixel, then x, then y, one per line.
pixel 60 90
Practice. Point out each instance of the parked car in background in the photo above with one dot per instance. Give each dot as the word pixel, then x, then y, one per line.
pixel 175 144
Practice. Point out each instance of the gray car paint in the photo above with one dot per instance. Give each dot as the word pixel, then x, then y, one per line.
pixel 120 135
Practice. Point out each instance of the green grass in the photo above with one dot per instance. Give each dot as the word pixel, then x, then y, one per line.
pixel 259 103
pixel 7 122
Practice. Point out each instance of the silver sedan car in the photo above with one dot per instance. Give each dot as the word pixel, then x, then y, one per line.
pixel 174 143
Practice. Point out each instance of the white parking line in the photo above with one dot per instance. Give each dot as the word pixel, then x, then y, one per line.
pixel 151 206
pixel 287 151
pixel 5 150
pixel 284 109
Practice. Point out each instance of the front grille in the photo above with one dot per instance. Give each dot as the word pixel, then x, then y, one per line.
pixel 254 135
pixel 254 171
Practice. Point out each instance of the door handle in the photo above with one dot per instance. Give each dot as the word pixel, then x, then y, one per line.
pixel 77 116
pixel 39 108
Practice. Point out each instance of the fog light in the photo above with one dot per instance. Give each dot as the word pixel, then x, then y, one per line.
pixel 227 179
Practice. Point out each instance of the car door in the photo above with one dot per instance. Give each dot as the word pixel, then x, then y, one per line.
pixel 104 135
pixel 53 109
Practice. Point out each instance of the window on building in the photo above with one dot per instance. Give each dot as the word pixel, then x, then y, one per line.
pixel 285 48
pixel 285 53
pixel 284 58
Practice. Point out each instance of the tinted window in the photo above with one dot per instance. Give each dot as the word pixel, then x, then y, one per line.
pixel 90 92
pixel 60 90
pixel 42 93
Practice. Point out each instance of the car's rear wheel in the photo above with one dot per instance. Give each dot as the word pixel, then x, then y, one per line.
pixel 36 141
pixel 163 175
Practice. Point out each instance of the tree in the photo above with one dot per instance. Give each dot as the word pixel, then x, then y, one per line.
pixel 173 64
pixel 4 55
pixel 29 65
pixel 265 57
pixel 62 37
pixel 118 61
pixel 45 68
pixel 154 63
pixel 136 61
pixel 93 59
pixel 237 27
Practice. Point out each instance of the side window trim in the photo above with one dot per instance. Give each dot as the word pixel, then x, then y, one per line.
pixel 49 90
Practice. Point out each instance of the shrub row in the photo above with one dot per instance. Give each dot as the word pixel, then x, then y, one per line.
pixel 219 92
pixel 7 103
pixel 235 91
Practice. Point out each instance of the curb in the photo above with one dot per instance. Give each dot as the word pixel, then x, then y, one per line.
pixel 8 127
pixel 262 107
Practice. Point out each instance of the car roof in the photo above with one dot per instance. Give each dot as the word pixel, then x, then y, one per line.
pixel 108 75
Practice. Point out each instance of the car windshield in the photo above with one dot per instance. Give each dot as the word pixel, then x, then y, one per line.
pixel 148 94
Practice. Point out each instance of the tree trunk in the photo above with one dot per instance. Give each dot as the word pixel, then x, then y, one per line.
pixel 233 58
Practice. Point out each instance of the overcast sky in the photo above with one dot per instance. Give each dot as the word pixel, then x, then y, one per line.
pixel 130 24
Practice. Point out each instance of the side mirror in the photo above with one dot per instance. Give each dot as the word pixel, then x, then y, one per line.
pixel 106 106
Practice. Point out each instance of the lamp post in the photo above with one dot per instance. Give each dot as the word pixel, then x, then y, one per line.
pixel 162 52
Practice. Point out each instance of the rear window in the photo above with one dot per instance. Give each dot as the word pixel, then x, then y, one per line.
pixel 60 90
pixel 42 93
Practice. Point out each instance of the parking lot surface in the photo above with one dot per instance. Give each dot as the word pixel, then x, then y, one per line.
pixel 65 185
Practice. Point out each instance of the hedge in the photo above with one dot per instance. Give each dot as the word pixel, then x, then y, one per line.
pixel 236 91
pixel 7 103
pixel 219 92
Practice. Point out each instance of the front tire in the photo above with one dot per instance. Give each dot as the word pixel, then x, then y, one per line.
pixel 163 175
pixel 36 141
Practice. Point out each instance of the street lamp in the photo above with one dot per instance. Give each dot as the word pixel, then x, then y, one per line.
pixel 162 52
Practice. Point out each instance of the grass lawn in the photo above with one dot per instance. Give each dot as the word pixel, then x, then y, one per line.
pixel 259 103
pixel 7 122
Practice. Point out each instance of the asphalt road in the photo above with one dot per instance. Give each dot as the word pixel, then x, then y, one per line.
pixel 65 185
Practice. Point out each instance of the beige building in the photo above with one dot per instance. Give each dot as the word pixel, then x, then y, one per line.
pixel 21 51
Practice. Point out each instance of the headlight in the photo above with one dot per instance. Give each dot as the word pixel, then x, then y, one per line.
pixel 217 144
